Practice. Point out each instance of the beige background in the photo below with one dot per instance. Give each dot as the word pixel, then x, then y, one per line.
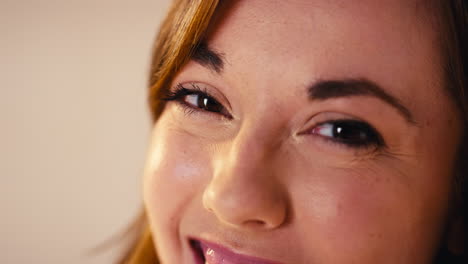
pixel 73 123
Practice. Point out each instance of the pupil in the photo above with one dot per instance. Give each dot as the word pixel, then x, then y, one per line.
pixel 349 132
pixel 204 102
pixel 208 104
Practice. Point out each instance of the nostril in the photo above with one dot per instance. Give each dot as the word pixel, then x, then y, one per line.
pixel 255 223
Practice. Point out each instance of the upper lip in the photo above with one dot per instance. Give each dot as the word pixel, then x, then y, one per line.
pixel 221 254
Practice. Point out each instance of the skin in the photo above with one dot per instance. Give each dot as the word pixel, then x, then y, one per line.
pixel 267 182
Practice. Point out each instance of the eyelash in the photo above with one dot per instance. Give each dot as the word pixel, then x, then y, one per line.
pixel 360 128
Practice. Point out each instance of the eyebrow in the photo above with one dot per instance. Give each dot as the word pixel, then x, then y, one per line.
pixel 208 57
pixel 328 89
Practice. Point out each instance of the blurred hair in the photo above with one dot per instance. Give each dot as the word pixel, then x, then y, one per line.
pixel 185 27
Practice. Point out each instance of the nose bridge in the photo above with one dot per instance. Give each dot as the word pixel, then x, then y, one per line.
pixel 244 188
pixel 250 149
pixel 249 157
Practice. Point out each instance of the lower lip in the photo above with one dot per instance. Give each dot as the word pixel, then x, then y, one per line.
pixel 215 254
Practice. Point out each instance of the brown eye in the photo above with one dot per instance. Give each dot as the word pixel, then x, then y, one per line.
pixel 196 99
pixel 203 102
pixel 349 132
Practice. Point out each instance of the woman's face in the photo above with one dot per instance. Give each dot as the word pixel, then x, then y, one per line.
pixel 306 132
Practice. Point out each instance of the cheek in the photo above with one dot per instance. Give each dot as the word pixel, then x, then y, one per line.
pixel 367 214
pixel 344 204
pixel 172 177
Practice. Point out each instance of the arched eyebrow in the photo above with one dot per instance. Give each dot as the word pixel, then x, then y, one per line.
pixel 328 89
pixel 208 57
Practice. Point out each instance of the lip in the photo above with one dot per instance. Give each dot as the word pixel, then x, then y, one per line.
pixel 211 253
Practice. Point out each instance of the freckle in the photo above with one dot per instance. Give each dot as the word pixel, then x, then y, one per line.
pixel 339 208
pixel 375 235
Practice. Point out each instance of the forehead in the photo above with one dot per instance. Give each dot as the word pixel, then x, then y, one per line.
pixel 335 17
pixel 380 40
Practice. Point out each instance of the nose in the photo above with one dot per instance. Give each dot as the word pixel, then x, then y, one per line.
pixel 245 190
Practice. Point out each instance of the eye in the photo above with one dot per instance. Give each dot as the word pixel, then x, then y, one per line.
pixel 349 132
pixel 203 101
pixel 193 98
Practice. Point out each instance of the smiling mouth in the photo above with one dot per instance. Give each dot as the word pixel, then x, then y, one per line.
pixel 210 253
